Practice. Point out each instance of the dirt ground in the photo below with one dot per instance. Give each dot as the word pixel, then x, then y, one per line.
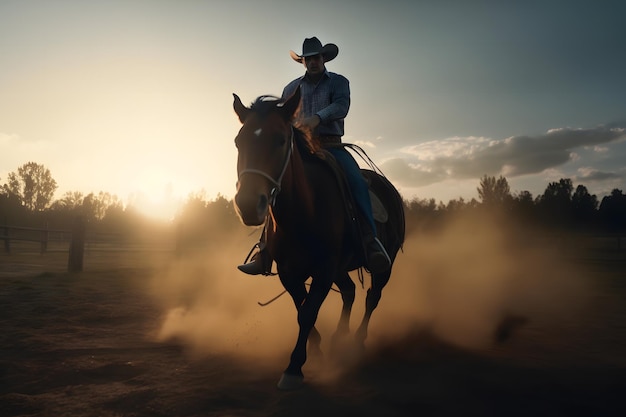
pixel 92 344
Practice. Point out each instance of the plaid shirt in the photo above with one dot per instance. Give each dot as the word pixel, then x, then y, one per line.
pixel 329 99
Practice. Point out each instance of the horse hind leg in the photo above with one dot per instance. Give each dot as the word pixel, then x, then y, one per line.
pixel 348 292
pixel 315 343
pixel 372 299
pixel 371 302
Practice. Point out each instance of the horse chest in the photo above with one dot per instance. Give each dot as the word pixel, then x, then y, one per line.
pixel 305 243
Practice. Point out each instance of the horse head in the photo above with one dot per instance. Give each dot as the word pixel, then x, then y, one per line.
pixel 264 144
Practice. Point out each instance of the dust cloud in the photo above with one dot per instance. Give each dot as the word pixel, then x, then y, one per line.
pixel 212 307
pixel 461 283
pixel 478 281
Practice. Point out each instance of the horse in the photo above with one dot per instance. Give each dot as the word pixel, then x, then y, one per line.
pixel 310 232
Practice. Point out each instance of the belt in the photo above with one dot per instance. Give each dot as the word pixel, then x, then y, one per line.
pixel 329 139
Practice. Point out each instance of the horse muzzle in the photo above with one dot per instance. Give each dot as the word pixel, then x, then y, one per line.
pixel 252 208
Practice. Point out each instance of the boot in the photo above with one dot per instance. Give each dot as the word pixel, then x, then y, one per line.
pixel 377 258
pixel 259 264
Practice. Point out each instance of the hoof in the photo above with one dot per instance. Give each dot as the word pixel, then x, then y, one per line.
pixel 290 382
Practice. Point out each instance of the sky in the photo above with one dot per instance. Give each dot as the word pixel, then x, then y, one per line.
pixel 134 97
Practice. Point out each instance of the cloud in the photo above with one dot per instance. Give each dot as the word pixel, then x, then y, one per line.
pixel 591 174
pixel 365 144
pixel 472 157
pixel 415 175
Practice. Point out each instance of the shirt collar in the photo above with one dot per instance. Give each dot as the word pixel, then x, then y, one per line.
pixel 324 75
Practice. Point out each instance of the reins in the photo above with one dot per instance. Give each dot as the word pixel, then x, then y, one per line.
pixel 361 153
pixel 270 301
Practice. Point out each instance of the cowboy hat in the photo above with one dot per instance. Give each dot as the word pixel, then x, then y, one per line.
pixel 313 46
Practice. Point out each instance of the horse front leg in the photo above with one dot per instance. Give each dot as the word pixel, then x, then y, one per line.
pixel 308 310
pixel 298 294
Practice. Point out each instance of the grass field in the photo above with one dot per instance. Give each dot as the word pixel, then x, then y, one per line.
pixel 143 333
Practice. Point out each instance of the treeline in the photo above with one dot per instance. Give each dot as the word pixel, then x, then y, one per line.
pixel 26 200
pixel 561 207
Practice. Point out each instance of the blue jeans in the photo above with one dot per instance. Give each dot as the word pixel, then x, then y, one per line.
pixel 358 185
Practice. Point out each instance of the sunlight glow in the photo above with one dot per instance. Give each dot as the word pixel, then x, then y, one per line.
pixel 162 207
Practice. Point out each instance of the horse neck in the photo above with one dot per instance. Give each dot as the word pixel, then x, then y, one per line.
pixel 295 201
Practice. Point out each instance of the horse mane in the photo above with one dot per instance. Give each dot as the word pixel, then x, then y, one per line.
pixel 266 104
pixel 305 144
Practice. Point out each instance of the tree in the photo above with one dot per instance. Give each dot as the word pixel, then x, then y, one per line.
pixel 525 199
pixel 523 205
pixel 96 206
pixel 559 193
pixel 420 214
pixel 494 192
pixel 33 185
pixel 91 206
pixel 10 205
pixel 70 201
pixel 584 206
pixel 556 202
pixel 613 211
pixel 458 205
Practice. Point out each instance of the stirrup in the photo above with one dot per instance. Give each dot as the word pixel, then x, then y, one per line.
pixel 253 268
pixel 259 245
pixel 256 264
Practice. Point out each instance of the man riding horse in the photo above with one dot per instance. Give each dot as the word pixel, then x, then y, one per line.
pixel 325 104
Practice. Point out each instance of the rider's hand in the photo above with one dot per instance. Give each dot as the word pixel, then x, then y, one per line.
pixel 311 122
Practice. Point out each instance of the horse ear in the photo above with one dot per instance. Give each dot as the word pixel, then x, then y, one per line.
pixel 241 110
pixel 291 105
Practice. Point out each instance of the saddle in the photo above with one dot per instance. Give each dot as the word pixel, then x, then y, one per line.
pixel 378 209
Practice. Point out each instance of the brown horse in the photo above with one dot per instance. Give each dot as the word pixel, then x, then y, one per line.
pixel 310 232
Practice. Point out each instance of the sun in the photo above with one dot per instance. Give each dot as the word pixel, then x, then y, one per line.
pixel 161 207
pixel 154 195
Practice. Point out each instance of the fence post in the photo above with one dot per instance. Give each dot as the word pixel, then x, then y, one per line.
pixel 77 246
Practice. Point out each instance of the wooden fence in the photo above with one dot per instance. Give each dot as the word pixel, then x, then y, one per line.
pixel 80 242
pixel 77 241
pixel 73 240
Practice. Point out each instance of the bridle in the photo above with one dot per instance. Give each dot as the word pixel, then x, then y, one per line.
pixel 276 182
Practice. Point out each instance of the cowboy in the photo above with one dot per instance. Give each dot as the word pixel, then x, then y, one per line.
pixel 325 104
